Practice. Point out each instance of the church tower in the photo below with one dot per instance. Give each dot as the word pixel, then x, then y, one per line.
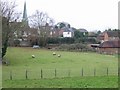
pixel 25 19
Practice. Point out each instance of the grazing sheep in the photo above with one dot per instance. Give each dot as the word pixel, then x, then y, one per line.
pixel 33 56
pixel 54 53
pixel 59 55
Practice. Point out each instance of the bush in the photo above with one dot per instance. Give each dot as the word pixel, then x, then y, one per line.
pixel 67 40
pixel 75 47
pixel 55 40
pixel 52 40
pixel 72 47
pixel 85 40
pixel 16 42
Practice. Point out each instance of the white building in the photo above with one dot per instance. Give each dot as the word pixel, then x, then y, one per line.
pixel 67 34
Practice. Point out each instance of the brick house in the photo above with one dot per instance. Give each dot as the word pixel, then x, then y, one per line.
pixel 108 36
pixel 68 32
pixel 110 47
pixel 63 29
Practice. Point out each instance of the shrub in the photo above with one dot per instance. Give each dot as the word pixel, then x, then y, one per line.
pixel 75 47
pixel 56 40
pixel 53 40
pixel 16 42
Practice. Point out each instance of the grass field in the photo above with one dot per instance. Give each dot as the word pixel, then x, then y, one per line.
pixel 75 82
pixel 68 68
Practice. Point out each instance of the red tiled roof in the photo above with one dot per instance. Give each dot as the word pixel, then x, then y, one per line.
pixel 112 33
pixel 110 44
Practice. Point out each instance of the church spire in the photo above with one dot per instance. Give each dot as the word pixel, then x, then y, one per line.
pixel 25 19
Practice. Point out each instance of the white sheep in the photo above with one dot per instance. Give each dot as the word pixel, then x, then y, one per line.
pixel 33 56
pixel 59 55
pixel 54 53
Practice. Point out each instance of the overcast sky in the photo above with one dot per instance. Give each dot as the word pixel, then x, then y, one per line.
pixel 89 14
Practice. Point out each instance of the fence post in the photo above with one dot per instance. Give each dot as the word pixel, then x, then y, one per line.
pixel 82 71
pixel 69 73
pixel 107 71
pixel 10 75
pixel 94 71
pixel 26 74
pixel 55 72
pixel 41 73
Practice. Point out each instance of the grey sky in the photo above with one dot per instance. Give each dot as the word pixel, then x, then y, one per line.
pixel 88 14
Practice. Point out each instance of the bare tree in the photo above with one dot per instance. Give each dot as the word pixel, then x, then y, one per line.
pixel 8 15
pixel 42 22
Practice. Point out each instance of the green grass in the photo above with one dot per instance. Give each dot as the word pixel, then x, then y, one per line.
pixel 76 82
pixel 20 60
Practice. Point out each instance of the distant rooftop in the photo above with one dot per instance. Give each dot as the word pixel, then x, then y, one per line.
pixel 112 33
pixel 82 30
pixel 110 44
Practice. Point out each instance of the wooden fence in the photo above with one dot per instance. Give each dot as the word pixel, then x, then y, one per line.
pixel 56 73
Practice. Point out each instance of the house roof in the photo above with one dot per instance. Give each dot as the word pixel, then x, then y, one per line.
pixel 74 29
pixel 109 33
pixel 110 44
pixel 82 30
pixel 112 33
pixel 67 29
